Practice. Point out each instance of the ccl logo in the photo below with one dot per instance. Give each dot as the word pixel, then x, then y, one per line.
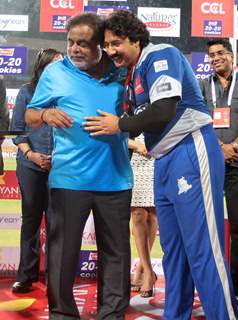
pixel 212 7
pixel 64 4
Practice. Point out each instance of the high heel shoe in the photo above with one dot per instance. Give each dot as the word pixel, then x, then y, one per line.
pixel 149 293
pixel 136 284
pixel 135 287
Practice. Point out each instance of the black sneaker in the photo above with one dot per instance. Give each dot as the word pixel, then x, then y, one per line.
pixel 22 287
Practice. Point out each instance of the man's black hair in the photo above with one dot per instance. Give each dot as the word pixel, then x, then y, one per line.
pixel 124 23
pixel 89 19
pixel 224 42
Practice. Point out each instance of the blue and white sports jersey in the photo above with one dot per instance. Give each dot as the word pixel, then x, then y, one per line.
pixel 163 72
pixel 79 161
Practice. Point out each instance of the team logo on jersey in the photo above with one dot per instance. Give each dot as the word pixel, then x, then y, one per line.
pixel 161 65
pixel 183 185
pixel 163 87
pixel 138 86
pixel 141 108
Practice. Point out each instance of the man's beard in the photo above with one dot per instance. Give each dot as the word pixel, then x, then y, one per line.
pixel 88 64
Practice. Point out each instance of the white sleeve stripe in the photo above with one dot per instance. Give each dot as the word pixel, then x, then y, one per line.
pixel 165 87
pixel 210 215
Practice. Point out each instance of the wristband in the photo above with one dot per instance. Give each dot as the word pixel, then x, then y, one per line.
pixel 26 152
pixel 42 114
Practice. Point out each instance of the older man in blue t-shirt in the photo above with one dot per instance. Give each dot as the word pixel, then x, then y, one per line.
pixel 87 173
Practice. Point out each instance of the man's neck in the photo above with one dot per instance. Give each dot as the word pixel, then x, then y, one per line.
pixel 137 56
pixel 226 75
pixel 99 70
pixel 225 78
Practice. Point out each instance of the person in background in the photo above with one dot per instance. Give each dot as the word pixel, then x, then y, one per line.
pixel 4 119
pixel 87 173
pixel 220 91
pixel 144 220
pixel 33 165
pixel 189 167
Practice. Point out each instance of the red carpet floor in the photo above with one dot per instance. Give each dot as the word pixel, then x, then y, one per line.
pixel 33 305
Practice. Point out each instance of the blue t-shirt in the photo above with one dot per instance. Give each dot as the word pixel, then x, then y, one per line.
pixel 163 72
pixel 79 161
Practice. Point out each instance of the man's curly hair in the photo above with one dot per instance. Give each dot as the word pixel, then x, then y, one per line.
pixel 126 24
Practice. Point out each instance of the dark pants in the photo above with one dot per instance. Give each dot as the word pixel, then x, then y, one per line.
pixel 111 212
pixel 34 191
pixel 231 192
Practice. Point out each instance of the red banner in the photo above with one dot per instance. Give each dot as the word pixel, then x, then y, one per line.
pixel 55 13
pixel 212 18
pixel 9 188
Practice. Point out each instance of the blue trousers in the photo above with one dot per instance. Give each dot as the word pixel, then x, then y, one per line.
pixel 189 201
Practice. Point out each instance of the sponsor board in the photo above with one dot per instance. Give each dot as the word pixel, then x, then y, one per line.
pixel 89 235
pixel 9 260
pixel 10 22
pixel 156 265
pixel 87 267
pixel 9 150
pixel 105 10
pixel 13 60
pixel 161 22
pixel 200 65
pixel 9 188
pixel 10 221
pixel 55 13
pixel 212 18
pixel 11 99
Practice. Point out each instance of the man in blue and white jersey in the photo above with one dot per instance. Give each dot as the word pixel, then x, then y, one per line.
pixel 189 168
pixel 87 173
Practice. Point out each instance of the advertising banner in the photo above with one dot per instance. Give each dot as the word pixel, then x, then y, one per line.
pixel 10 221
pixel 212 18
pixel 55 13
pixel 11 98
pixel 161 22
pixel 200 64
pixel 87 267
pixel 9 260
pixel 13 60
pixel 10 22
pixel 104 10
pixel 89 235
pixel 9 188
